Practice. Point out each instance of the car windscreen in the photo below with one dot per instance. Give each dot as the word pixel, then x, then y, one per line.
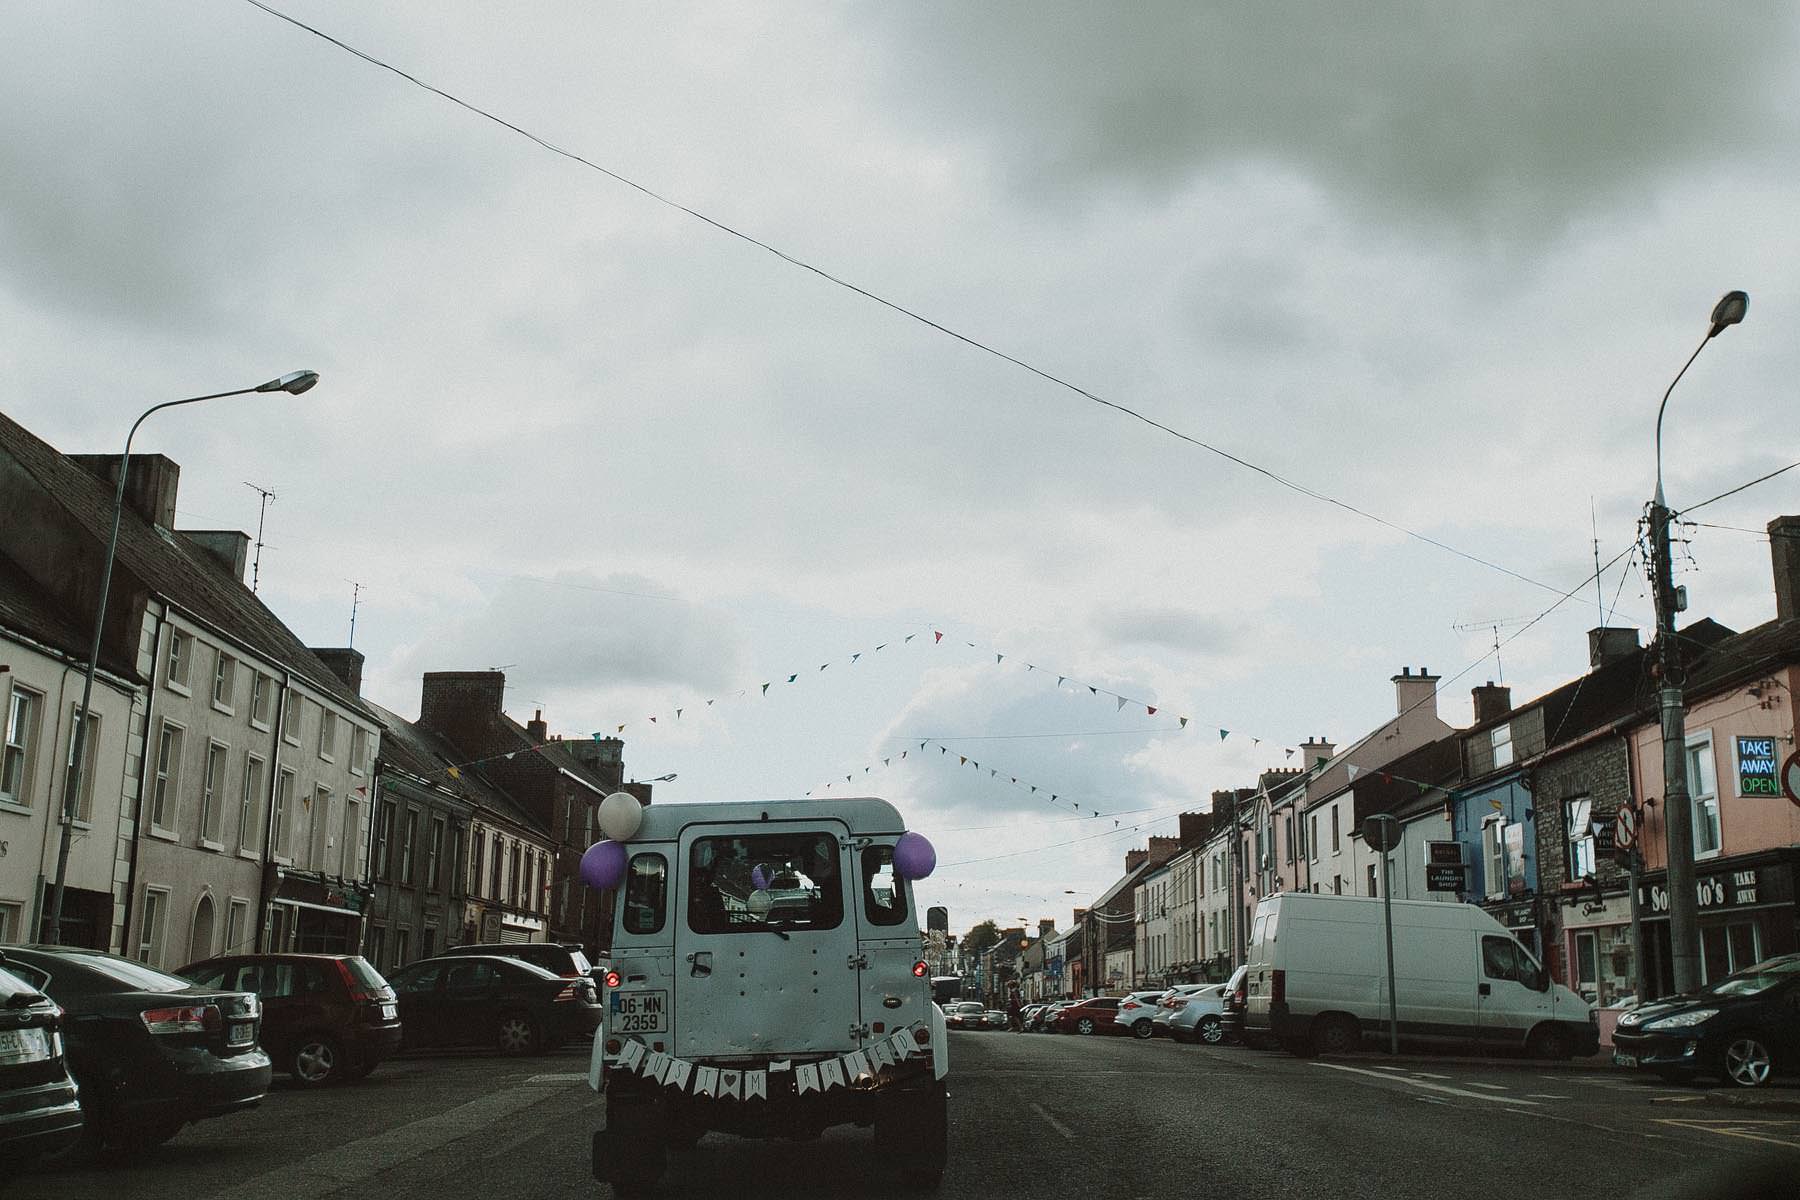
pixel 782 881
pixel 1755 980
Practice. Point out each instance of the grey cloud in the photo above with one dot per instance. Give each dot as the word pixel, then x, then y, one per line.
pixel 1491 115
pixel 1172 628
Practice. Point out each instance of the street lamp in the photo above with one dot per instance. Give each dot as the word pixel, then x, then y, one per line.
pixel 1678 819
pixel 293 383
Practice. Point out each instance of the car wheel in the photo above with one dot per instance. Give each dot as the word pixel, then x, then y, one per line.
pixel 1144 1029
pixel 315 1060
pixel 1085 1025
pixel 1748 1063
pixel 1212 1030
pixel 1333 1034
pixel 1550 1041
pixel 518 1034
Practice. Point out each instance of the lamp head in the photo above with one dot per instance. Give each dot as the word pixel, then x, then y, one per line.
pixel 295 382
pixel 1728 311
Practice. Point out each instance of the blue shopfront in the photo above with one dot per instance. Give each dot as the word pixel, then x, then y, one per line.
pixel 1494 821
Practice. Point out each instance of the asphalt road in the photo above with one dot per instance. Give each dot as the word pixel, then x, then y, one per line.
pixel 1032 1116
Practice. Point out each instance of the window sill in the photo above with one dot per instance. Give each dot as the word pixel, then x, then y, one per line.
pixel 250 855
pixel 163 835
pixel 261 726
pixel 179 688
pixel 216 847
pixel 23 810
pixel 224 708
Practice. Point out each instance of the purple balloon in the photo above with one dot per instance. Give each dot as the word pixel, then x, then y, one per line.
pixel 760 877
pixel 913 856
pixel 603 865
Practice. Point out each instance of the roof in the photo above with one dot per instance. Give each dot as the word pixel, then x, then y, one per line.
pixel 1397 785
pixel 27 609
pixel 864 815
pixel 423 754
pixel 169 566
pixel 1752 652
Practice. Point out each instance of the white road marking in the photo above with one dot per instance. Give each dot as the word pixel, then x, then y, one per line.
pixel 1432 1087
pixel 1490 1086
pixel 1429 1075
pixel 1547 1096
pixel 568 1077
pixel 1055 1124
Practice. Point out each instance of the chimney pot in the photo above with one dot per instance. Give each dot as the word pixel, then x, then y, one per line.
pixel 1784 557
pixel 1491 702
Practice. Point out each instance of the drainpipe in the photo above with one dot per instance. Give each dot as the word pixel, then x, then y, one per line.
pixel 60 809
pixel 1634 859
pixel 263 891
pixel 137 805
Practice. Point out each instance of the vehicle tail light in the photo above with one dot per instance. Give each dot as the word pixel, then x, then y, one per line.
pixel 567 993
pixel 922 1035
pixel 919 969
pixel 613 979
pixel 1175 1005
pixel 614 1045
pixel 1277 987
pixel 357 995
pixel 195 1018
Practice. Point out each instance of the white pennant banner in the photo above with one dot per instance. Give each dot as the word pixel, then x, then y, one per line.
pixel 831 1071
pixel 806 1078
pixel 729 1083
pixel 883 1053
pixel 678 1074
pixel 706 1079
pixel 846 1070
pixel 756 1085
pixel 631 1055
pixel 856 1066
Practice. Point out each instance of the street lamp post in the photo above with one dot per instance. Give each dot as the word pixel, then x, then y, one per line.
pixel 293 383
pixel 1684 931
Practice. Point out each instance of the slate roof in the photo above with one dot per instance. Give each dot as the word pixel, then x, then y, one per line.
pixel 1394 787
pixel 27 609
pixel 1750 653
pixel 423 754
pixel 169 566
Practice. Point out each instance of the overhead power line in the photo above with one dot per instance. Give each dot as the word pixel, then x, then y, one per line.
pixel 912 314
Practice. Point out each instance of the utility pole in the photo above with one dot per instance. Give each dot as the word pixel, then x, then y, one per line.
pixel 262 511
pixel 1678 817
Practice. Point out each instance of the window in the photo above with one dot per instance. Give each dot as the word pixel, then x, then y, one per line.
pixel 164 795
pixel 175 671
pixel 1335 843
pixel 783 880
pixel 284 803
pixel 456 857
pixel 1337 885
pixel 1493 857
pixel 428 942
pixel 1500 737
pixel 403 951
pixel 212 794
pixel 9 923
pixel 1578 835
pixel 150 925
pixel 384 836
pixel 884 892
pixel 224 690
pixel 495 881
pixel 1373 883
pixel 319 838
pixel 82 783
pixel 1703 787
pixel 21 739
pixel 293 711
pixel 1288 829
pixel 646 894
pixel 376 943
pixel 408 837
pixel 349 860
pixel 1728 948
pixel 434 850
pixel 328 735
pixel 1500 958
pixel 250 804
pixel 359 749
pixel 237 927
pixel 477 862
pixel 262 699
pixel 514 884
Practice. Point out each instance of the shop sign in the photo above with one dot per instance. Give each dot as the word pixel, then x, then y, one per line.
pixel 1445 879
pixel 1756 762
pixel 1727 889
pixel 1604 828
pixel 1516 916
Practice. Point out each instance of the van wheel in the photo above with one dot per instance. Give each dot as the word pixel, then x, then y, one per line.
pixel 1550 1041
pixel 1335 1034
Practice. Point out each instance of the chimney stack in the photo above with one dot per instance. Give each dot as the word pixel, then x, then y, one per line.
pixel 535 729
pixel 345 663
pixel 1607 645
pixel 1135 859
pixel 1046 927
pixel 1314 749
pixel 228 548
pixel 151 482
pixel 1491 701
pixel 1784 555
pixel 450 698
pixel 1415 691
pixel 1196 827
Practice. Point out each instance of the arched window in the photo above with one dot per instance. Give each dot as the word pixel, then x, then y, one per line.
pixel 200 937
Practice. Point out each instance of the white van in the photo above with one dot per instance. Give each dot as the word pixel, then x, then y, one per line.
pixel 1317 979
pixel 767 981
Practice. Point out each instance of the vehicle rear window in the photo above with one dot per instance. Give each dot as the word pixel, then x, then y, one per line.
pixel 765 881
pixel 106 973
pixel 15 984
pixel 884 894
pixel 646 894
pixel 363 973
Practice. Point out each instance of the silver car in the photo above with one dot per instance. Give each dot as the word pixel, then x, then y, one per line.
pixel 1199 1016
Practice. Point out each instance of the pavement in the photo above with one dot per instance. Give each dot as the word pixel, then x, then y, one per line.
pixel 1031 1116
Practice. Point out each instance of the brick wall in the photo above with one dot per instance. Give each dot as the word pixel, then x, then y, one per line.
pixel 1602 772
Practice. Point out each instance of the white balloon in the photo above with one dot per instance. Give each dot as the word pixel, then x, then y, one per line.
pixel 620 816
pixel 760 902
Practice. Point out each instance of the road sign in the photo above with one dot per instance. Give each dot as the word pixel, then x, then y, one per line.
pixel 1382 832
pixel 1625 827
pixel 1790 777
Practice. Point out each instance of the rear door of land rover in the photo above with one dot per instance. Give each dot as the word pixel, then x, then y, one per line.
pixel 766 959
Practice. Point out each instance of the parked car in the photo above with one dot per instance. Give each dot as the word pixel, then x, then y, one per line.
pixel 326 1017
pixel 965 1014
pixel 1199 1016
pixel 39 1111
pixel 994 1018
pixel 1039 1021
pixel 1745 1028
pixel 1028 1014
pixel 1170 1002
pixel 1235 996
pixel 559 958
pixel 1089 1016
pixel 465 1000
pixel 1137 1011
pixel 151 1052
pixel 1314 983
pixel 1047 1022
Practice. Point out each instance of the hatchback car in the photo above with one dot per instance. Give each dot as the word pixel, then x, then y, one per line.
pixel 1236 999
pixel 1170 1002
pixel 1199 1015
pixel 1137 1012
pixel 39 1112
pixel 326 1017
pixel 965 1014
pixel 993 1018
pixel 470 1001
pixel 1089 1016
pixel 1046 1018
pixel 151 1052
pixel 1744 1028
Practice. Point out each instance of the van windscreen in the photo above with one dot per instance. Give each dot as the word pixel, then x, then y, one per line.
pixel 765 881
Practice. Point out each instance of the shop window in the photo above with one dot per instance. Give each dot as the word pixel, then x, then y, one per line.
pixel 884 893
pixel 1703 787
pixel 1578 836
pixel 1728 948
pixel 646 894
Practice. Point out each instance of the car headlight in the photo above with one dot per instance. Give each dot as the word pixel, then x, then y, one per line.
pixel 1684 1020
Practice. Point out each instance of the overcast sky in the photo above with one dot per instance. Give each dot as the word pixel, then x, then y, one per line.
pixel 1437 262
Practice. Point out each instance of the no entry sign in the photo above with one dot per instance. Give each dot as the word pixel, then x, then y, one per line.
pixel 1790 777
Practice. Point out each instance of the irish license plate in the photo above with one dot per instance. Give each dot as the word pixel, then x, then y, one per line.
pixel 1625 1060
pixel 242 1034
pixel 639 1012
pixel 389 1012
pixel 24 1045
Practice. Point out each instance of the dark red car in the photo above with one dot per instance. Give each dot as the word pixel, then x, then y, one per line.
pixel 326 1017
pixel 1090 1016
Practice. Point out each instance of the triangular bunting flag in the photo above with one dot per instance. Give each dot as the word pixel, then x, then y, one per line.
pixel 678 714
pixel 903 753
pixel 936 637
pixel 1151 709
pixel 962 760
pixel 756 1085
pixel 621 729
pixel 998 658
pixel 882 1053
pixel 680 1070
pixel 1288 753
pixel 1353 770
pixel 765 689
pixel 822 666
pixel 706 1081
pixel 1122 703
pixel 911 636
pixel 883 645
pixel 795 676
pixel 709 704
pixel 631 1056
pixel 886 761
pixel 729 1084
pixel 831 1072
pixel 855 656
pixel 1092 690
pixel 455 773
pixel 653 720
pixel 856 1065
pixel 806 1078
pixel 597 736
pixel 1059 680
pixel 901 1043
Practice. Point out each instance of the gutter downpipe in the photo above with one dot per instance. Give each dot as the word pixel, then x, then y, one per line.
pixel 137 807
pixel 264 893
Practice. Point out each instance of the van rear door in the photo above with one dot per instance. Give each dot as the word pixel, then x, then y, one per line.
pixel 765 945
pixel 892 996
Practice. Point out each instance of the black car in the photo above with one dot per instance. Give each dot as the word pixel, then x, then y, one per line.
pixel 558 958
pixel 1745 1028
pixel 39 1112
pixel 465 1000
pixel 150 1051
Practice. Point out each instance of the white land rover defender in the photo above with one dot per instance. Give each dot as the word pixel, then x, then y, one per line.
pixel 766 981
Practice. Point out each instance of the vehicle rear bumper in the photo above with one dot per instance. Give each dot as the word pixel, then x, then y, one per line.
pixel 1276 1021
pixel 375 1043
pixel 193 1086
pixel 41 1119
pixel 574 1020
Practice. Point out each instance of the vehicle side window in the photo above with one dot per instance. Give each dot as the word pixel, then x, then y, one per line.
pixel 646 894
pixel 212 977
pixel 312 979
pixel 423 980
pixel 1500 959
pixel 884 894
pixel 471 977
